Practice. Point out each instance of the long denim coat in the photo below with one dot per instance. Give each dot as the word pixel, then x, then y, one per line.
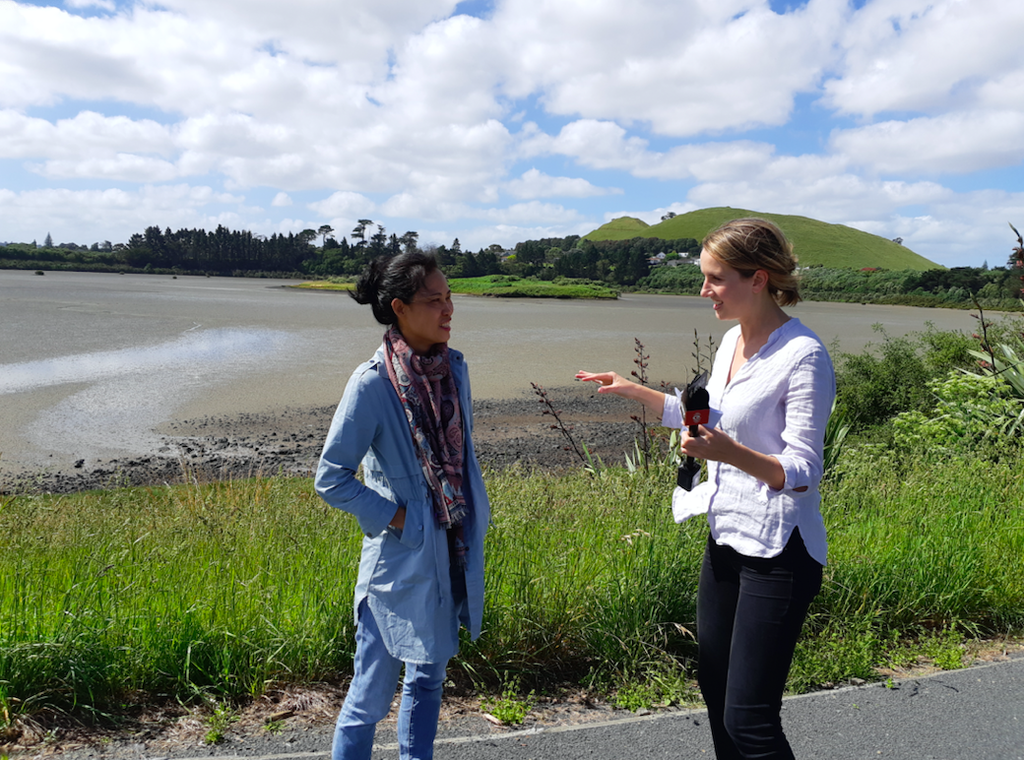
pixel 403 574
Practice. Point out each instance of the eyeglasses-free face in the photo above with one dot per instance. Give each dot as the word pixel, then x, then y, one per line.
pixel 427 319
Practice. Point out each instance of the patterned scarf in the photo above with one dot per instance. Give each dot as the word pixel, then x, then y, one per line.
pixel 430 398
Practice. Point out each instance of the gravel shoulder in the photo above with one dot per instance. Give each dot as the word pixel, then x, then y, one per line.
pixel 297 721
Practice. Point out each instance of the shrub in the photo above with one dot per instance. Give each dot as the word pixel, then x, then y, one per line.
pixel 872 389
pixel 972 412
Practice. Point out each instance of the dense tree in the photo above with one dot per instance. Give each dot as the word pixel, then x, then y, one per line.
pixel 409 241
pixel 359 232
pixel 379 241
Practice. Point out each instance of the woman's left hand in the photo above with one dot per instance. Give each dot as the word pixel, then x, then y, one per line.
pixel 711 444
pixel 715 446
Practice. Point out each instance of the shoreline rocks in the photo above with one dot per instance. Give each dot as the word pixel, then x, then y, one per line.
pixel 288 442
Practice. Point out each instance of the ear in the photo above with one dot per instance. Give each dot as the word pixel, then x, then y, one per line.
pixel 399 307
pixel 760 280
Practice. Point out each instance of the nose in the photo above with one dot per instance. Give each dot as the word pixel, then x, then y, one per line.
pixel 449 306
pixel 705 291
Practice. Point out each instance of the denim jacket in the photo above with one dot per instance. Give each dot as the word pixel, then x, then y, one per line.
pixel 403 574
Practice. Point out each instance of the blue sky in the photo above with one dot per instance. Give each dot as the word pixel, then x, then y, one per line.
pixel 496 121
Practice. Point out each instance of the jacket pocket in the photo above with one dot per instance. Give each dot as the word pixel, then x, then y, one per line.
pixel 404 491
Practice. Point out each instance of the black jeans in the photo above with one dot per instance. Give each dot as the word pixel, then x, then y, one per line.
pixel 749 615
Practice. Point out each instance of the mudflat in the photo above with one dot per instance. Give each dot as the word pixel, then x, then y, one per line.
pixel 108 379
pixel 288 441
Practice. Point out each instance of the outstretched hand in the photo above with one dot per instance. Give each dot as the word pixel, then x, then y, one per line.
pixel 610 382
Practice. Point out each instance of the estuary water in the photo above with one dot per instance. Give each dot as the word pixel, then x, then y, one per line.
pixel 98 365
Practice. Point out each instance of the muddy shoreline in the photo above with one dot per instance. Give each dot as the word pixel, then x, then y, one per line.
pixel 288 442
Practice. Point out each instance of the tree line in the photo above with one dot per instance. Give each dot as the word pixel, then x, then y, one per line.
pixel 240 253
pixel 622 263
pixel 995 288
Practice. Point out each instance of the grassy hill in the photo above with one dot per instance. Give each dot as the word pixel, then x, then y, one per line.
pixel 815 243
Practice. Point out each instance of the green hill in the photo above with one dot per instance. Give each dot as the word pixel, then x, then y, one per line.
pixel 623 228
pixel 815 243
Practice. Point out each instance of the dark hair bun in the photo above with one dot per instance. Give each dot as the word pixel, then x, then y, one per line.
pixel 386 278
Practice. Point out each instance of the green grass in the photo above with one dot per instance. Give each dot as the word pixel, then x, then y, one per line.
pixel 815 243
pixel 501 286
pixel 331 284
pixel 190 591
pixel 510 286
pixel 212 593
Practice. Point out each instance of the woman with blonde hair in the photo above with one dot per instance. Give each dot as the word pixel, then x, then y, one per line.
pixel 771 391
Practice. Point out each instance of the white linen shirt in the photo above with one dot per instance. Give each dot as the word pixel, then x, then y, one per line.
pixel 777 404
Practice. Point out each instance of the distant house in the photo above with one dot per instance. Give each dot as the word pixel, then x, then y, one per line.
pixel 661 259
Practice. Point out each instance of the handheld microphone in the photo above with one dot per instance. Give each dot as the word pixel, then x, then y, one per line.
pixel 696 408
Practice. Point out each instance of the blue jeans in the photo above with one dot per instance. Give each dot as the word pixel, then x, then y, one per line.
pixel 749 615
pixel 371 692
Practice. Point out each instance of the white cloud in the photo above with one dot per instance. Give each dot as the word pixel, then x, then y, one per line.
pixel 606 145
pixel 924 55
pixel 350 205
pixel 532 212
pixel 831 199
pixel 107 5
pixel 84 216
pixel 956 143
pixel 124 167
pixel 536 184
pixel 685 68
pixel 398 110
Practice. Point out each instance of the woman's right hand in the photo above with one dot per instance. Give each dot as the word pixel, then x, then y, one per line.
pixel 610 382
pixel 398 521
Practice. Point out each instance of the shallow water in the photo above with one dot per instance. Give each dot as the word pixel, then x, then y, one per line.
pixel 96 365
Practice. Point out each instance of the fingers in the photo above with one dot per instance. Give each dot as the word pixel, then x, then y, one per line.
pixel 605 378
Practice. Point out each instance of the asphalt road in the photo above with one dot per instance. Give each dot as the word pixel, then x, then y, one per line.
pixel 971 714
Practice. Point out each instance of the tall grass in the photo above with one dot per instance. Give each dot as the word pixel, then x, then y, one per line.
pixel 180 591
pixel 220 590
pixel 586 575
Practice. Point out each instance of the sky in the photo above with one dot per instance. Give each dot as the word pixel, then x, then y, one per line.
pixel 498 121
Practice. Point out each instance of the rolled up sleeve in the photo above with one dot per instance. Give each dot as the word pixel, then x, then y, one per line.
pixel 808 404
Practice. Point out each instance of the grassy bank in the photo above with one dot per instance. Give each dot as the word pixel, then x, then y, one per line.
pixel 332 284
pixel 501 286
pixel 221 590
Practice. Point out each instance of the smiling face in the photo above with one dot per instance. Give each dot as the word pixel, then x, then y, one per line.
pixel 732 295
pixel 427 319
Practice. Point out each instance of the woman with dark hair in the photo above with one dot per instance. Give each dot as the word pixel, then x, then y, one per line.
pixel 407 417
pixel 771 392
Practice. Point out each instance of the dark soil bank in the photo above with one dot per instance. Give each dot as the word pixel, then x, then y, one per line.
pixel 289 442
